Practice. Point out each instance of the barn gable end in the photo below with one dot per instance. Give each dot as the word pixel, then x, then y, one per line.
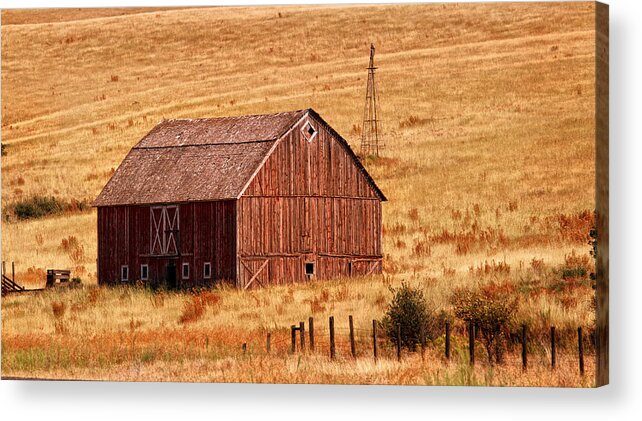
pixel 317 164
pixel 311 207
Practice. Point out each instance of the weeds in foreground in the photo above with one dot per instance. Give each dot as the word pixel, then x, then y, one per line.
pixel 195 306
pixel 58 309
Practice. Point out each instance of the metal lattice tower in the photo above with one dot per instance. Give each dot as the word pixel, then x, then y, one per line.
pixel 371 133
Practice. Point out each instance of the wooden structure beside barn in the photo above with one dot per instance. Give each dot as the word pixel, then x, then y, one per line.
pixel 254 200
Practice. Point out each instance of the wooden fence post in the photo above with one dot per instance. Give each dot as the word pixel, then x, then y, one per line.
pixel 471 342
pixel 13 272
pixel 398 342
pixel 353 349
pixel 524 357
pixel 580 349
pixel 3 268
pixel 302 335
pixel 553 347
pixel 447 340
pixel 332 351
pixel 422 340
pixel 293 328
pixel 374 339
pixel 268 340
pixel 311 329
pixel 244 348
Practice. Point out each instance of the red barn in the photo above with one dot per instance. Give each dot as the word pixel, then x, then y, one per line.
pixel 254 200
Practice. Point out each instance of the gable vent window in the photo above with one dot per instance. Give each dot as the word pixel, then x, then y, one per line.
pixel 309 132
pixel 185 270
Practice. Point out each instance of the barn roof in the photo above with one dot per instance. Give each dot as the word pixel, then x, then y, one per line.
pixel 208 159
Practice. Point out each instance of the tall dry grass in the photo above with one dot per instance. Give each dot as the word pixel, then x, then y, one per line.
pixel 110 333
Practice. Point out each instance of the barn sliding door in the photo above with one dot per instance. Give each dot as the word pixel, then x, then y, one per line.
pixel 164 230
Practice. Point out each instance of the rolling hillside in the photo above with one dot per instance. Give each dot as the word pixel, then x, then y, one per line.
pixel 488 114
pixel 481 104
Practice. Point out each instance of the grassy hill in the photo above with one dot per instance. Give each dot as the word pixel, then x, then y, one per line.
pixel 488 114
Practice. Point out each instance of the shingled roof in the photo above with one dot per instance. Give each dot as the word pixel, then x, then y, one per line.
pixel 207 159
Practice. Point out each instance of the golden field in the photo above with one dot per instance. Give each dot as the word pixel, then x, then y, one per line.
pixel 489 125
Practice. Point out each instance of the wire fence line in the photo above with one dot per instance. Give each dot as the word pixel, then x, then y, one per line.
pixel 356 342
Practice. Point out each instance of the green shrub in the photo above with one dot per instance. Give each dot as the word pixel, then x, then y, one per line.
pixel 490 311
pixel 409 310
pixel 41 206
pixel 37 207
pixel 576 266
pixel 575 272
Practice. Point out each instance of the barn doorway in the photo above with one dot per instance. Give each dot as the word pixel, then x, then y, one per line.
pixel 170 276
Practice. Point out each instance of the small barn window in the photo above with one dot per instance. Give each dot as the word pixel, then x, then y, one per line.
pixel 207 270
pixel 144 272
pixel 124 273
pixel 185 270
pixel 309 132
pixel 309 268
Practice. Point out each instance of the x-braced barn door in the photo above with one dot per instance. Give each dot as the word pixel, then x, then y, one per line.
pixel 255 272
pixel 164 230
pixel 364 267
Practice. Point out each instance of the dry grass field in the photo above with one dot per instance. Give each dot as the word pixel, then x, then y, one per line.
pixel 489 169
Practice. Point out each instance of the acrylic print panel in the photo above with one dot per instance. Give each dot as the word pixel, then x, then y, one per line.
pixel 372 194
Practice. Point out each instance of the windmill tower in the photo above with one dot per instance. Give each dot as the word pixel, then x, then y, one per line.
pixel 371 134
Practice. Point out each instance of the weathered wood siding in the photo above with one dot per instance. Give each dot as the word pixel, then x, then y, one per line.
pixel 206 233
pixel 308 203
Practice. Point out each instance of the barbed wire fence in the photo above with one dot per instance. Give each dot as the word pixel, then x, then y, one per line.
pixel 350 342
